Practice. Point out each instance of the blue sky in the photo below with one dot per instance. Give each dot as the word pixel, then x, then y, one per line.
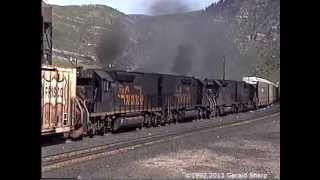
pixel 131 6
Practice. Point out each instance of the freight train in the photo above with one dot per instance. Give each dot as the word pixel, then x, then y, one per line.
pixel 111 100
pixel 92 102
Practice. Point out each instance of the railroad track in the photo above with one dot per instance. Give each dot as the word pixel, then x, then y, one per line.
pixel 67 158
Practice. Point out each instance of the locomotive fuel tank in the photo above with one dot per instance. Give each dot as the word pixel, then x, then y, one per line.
pixel 128 122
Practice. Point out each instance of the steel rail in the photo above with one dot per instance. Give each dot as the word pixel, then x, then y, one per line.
pixel 85 154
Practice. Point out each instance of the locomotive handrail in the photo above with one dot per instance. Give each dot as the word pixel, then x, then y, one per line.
pixel 86 109
pixel 214 102
pixel 209 99
pixel 81 110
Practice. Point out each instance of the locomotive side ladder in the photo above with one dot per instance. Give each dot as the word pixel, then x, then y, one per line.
pixel 81 120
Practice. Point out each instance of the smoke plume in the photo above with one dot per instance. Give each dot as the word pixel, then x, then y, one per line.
pixel 112 43
pixel 161 7
pixel 186 44
pixel 183 61
pixel 190 43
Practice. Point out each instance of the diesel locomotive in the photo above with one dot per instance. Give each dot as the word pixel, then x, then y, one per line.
pixel 77 102
pixel 119 99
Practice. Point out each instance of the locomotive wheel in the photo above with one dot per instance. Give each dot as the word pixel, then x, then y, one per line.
pixel 180 117
pixel 208 114
pixel 148 121
pixel 164 120
pixel 80 137
pixel 101 131
pixel 115 125
pixel 219 111
pixel 203 114
pixel 243 108
pixel 91 133
pixel 216 114
pixel 167 120
pixel 140 126
pixel 77 134
pixel 149 124
pixel 161 121
pixel 235 109
pixel 175 118
pixel 153 121
pixel 199 115
pixel 240 108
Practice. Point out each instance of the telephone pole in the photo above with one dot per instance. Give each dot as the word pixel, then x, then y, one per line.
pixel 224 67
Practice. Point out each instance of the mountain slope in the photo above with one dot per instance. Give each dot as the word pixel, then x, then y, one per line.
pixel 257 27
pixel 245 32
pixel 77 29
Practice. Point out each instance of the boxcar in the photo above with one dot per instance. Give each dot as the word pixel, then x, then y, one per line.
pixel 267 91
pixel 246 96
pixel 58 94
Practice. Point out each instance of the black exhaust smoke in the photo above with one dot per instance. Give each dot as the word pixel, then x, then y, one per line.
pixel 183 62
pixel 112 43
pixel 161 7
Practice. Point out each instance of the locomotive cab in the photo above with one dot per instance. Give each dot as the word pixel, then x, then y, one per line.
pixel 95 87
pixel 102 91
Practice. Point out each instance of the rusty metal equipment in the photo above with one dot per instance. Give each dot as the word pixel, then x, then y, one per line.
pixel 46 36
pixel 61 111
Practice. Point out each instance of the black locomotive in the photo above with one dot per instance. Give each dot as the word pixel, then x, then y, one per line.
pixel 119 99
pixel 225 96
